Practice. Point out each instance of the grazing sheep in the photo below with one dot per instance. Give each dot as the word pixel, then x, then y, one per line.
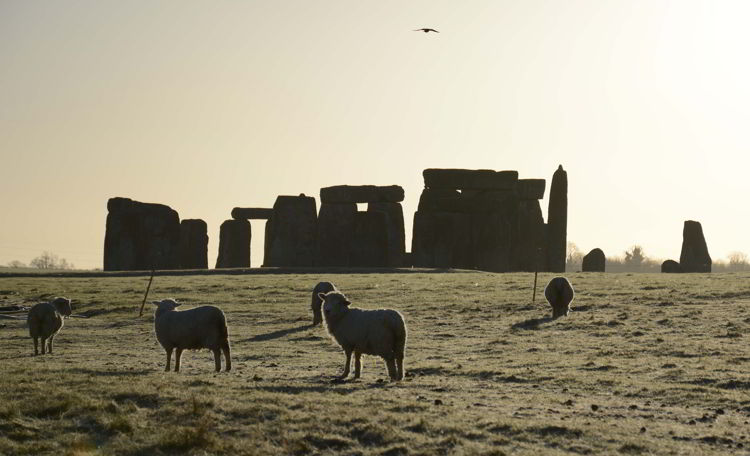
pixel 193 329
pixel 45 320
pixel 379 332
pixel 317 302
pixel 559 293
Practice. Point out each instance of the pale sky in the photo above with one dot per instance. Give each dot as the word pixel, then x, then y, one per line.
pixel 208 105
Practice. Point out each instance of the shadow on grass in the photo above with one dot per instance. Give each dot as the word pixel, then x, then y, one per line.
pixel 532 323
pixel 110 373
pixel 278 334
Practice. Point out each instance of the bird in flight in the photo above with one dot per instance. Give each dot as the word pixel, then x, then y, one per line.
pixel 426 30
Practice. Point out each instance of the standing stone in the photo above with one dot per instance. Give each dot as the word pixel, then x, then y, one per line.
pixel 193 244
pixel 234 244
pixel 291 232
pixel 529 247
pixel 694 256
pixel 395 230
pixel 141 236
pixel 557 223
pixel 492 236
pixel 423 240
pixel 594 261
pixel 671 267
pixel 369 241
pixel 530 189
pixel 335 228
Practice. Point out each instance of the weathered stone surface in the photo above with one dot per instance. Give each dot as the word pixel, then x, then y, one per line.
pixel 193 244
pixel 531 189
pixel 529 247
pixel 694 256
pixel 395 229
pixel 467 201
pixel 335 228
pixel 234 244
pixel 594 261
pixel 492 236
pixel 251 213
pixel 671 266
pixel 291 233
pixel 469 179
pixel 361 194
pixel 557 223
pixel 369 241
pixel 440 200
pixel 141 236
pixel 442 240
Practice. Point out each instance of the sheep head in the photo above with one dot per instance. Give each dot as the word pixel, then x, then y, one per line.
pixel 166 304
pixel 63 306
pixel 334 303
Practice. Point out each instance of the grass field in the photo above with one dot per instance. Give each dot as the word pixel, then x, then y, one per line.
pixel 645 364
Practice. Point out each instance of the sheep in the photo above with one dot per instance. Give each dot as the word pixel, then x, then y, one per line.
pixel 45 320
pixel 379 332
pixel 193 329
pixel 321 287
pixel 559 293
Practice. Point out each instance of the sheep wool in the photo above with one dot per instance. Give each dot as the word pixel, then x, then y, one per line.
pixel 559 293
pixel 317 302
pixel 45 320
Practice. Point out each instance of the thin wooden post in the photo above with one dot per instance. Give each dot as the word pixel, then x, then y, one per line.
pixel 140 314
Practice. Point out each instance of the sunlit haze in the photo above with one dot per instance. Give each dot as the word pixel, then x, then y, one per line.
pixel 205 106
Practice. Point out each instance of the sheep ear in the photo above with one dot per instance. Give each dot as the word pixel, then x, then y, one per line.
pixel 322 296
pixel 347 302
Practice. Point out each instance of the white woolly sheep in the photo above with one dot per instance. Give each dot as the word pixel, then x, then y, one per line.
pixel 559 293
pixel 317 302
pixel 379 332
pixel 193 329
pixel 45 320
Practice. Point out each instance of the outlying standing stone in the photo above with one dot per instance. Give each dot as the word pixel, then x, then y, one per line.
pixel 594 261
pixel 557 222
pixel 671 266
pixel 234 244
pixel 193 244
pixel 141 236
pixel 694 256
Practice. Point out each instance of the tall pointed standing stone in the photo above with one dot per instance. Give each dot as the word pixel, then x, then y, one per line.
pixel 694 256
pixel 557 224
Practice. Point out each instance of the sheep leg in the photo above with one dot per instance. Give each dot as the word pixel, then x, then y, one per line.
pixel 346 366
pixel 217 359
pixel 400 368
pixel 357 363
pixel 49 341
pixel 317 316
pixel 177 359
pixel 169 359
pixel 36 346
pixel 227 359
pixel 390 363
pixel 44 345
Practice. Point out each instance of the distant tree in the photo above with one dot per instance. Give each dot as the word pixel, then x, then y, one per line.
pixel 16 264
pixel 634 257
pixel 49 260
pixel 738 259
pixel 573 258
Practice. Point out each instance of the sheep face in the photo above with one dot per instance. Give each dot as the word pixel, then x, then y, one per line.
pixel 63 306
pixel 166 304
pixel 335 304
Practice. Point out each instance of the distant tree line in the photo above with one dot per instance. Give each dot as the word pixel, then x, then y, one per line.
pixel 635 259
pixel 46 260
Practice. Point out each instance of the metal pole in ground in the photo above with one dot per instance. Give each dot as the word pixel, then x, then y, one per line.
pixel 140 314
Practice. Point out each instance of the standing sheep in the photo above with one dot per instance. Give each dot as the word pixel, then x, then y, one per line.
pixel 559 293
pixel 379 332
pixel 45 320
pixel 193 329
pixel 317 302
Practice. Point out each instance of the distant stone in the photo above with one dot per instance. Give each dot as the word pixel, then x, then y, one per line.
pixel 362 194
pixel 395 230
pixel 470 179
pixel 234 244
pixel 557 221
pixel 531 189
pixel 251 213
pixel 291 233
pixel 141 236
pixel 335 228
pixel 529 249
pixel 594 261
pixel 694 256
pixel 193 244
pixel 369 241
pixel 671 266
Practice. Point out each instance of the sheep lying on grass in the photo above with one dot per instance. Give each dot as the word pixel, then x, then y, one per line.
pixel 45 321
pixel 559 293
pixel 379 332
pixel 317 302
pixel 193 329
